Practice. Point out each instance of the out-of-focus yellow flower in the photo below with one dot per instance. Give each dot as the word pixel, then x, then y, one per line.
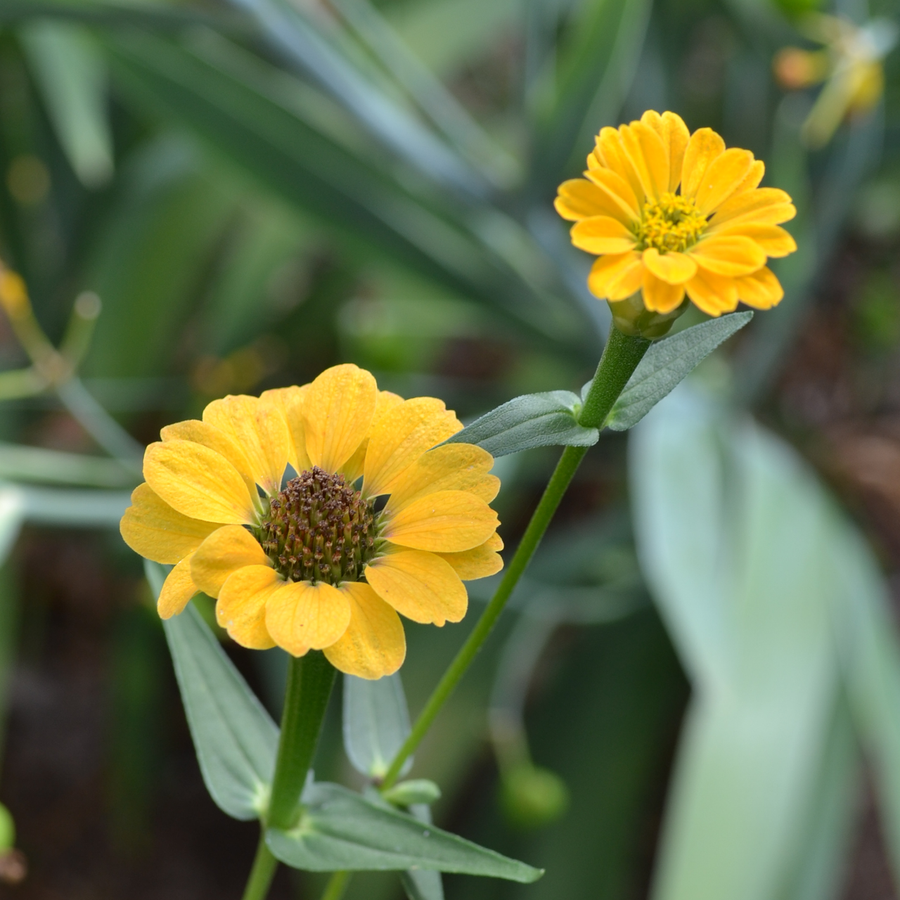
pixel 672 214
pixel 318 563
pixel 850 65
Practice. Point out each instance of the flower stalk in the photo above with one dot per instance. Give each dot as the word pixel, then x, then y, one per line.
pixel 309 683
pixel 620 358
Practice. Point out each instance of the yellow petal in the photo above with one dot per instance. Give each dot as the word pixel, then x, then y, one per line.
pixel 613 155
pixel 259 428
pixel 156 531
pixel 421 586
pixel 301 616
pixel 703 147
pixel 722 179
pixel 752 178
pixel 241 607
pixel 676 268
pixel 602 234
pixel 353 468
pixel 450 467
pixel 616 277
pixel 764 206
pixel 581 199
pixel 401 436
pixel 338 411
pixel 374 644
pixel 479 562
pixel 198 482
pixel 649 157
pixel 444 522
pixel 728 255
pixel 177 590
pixel 761 289
pixel 661 296
pixel 290 401
pixel 216 439
pixel 772 238
pixel 675 136
pixel 714 294
pixel 624 204
pixel 225 551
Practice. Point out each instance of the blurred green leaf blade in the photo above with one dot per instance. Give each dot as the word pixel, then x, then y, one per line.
pixel 376 723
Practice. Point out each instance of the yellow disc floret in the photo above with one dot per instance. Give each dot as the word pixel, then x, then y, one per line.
pixel 673 223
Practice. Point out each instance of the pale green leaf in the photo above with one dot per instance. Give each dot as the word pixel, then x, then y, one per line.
pixel 376 723
pixel 340 830
pixel 235 738
pixel 532 420
pixel 422 884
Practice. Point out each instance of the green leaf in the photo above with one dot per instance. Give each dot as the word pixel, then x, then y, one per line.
pixel 739 544
pixel 340 830
pixel 235 738
pixel 666 364
pixel 72 78
pixel 415 792
pixel 376 723
pixel 532 420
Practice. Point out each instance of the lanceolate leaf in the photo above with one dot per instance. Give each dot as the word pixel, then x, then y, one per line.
pixel 532 420
pixel 666 364
pixel 376 723
pixel 340 830
pixel 235 738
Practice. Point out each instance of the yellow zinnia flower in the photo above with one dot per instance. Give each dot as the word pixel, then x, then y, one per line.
pixel 671 213
pixel 318 563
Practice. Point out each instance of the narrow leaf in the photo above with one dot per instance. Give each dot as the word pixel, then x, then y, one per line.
pixel 72 78
pixel 235 738
pixel 666 364
pixel 532 420
pixel 340 830
pixel 376 723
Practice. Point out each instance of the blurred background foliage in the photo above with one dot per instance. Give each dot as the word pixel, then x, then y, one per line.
pixel 696 694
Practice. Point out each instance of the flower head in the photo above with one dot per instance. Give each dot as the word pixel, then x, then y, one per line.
pixel 371 520
pixel 672 214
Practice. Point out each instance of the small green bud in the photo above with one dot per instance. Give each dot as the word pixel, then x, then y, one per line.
pixel 419 790
pixel 533 797
pixel 631 317
pixel 7 830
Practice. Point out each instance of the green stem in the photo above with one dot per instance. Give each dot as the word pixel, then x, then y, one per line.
pixel 264 865
pixel 620 358
pixel 337 886
pixel 309 682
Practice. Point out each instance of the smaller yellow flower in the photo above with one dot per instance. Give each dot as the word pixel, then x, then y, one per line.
pixel 378 520
pixel 850 65
pixel 672 215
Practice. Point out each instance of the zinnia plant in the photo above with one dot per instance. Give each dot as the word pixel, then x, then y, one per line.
pixel 317 516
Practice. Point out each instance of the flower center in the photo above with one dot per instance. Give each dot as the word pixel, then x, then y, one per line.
pixel 672 223
pixel 319 529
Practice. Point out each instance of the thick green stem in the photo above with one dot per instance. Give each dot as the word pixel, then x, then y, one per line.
pixel 337 886
pixel 619 360
pixel 309 682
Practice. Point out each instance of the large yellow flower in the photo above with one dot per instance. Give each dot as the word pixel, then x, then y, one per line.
pixel 671 213
pixel 318 563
